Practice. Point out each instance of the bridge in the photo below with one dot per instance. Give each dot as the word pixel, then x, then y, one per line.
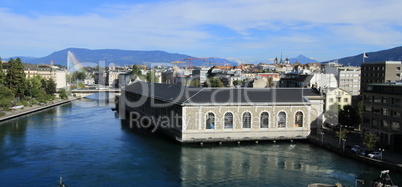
pixel 87 92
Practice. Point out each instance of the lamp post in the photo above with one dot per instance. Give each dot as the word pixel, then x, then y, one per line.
pixel 382 150
pixel 322 137
pixel 344 141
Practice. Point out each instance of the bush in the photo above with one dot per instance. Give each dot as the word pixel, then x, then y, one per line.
pixel 6 96
pixel 23 102
pixel 63 93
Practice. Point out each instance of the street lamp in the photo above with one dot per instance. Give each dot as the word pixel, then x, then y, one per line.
pixel 322 137
pixel 344 141
pixel 382 150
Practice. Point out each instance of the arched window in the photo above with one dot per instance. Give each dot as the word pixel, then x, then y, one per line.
pixel 210 121
pixel 247 120
pixel 281 120
pixel 228 120
pixel 299 119
pixel 264 120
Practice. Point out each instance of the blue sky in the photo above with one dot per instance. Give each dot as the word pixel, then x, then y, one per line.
pixel 242 30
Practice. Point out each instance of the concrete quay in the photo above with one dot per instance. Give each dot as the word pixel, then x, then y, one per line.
pixel 35 108
pixel 390 160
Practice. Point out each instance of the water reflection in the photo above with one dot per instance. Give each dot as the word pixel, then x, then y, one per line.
pixel 90 146
pixel 269 164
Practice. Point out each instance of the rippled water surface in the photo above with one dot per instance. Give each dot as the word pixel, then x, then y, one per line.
pixel 86 144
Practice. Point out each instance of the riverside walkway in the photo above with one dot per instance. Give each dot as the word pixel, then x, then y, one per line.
pixel 34 108
pixel 390 159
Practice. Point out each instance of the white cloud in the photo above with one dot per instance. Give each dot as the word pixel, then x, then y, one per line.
pixel 189 25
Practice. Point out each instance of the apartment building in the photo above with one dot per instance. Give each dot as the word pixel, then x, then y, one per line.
pixel 382 109
pixel 378 72
pixel 349 79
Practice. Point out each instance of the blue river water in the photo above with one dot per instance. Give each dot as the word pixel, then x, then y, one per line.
pixel 88 145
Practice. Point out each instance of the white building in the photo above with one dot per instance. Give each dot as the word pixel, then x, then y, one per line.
pixel 60 79
pixel 349 79
pixel 337 96
pixel 320 80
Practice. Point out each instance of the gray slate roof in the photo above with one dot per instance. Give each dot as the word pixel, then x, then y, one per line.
pixel 185 95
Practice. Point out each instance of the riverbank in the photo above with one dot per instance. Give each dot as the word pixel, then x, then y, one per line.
pixel 34 108
pixel 390 160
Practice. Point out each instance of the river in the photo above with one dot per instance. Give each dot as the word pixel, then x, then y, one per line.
pixel 85 143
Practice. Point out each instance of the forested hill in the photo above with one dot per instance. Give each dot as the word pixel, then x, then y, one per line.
pixel 394 54
pixel 118 57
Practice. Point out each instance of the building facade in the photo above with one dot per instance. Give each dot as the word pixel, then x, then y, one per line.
pixel 349 79
pixel 224 114
pixel 337 96
pixel 382 109
pixel 378 72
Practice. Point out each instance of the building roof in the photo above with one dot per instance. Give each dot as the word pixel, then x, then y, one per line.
pixel 185 95
pixel 382 62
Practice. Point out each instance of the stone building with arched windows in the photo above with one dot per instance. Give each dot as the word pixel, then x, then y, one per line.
pixel 194 114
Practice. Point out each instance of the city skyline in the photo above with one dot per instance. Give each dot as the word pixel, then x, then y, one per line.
pixel 237 30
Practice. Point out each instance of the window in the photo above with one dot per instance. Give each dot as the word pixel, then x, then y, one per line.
pixel 376 110
pixel 345 100
pixel 385 124
pixel 281 120
pixel 299 119
pixel 228 120
pixel 374 123
pixel 247 120
pixel 385 100
pixel 386 112
pixel 264 121
pixel 331 100
pixel 395 126
pixel 377 99
pixel 210 121
pixel 396 101
pixel 396 113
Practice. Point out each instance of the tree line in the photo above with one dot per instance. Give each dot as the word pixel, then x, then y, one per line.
pixel 16 89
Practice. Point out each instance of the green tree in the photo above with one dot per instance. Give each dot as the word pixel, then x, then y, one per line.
pixel 81 75
pixel 15 77
pixel 349 116
pixel 370 140
pixel 6 96
pixel 69 78
pixel 195 83
pixel 34 84
pixel 63 93
pixel 135 72
pixel 50 86
pixel 237 82
pixel 332 114
pixel 151 77
pixel 42 95
pixel 78 75
pixel 2 74
pixel 213 82
pixel 342 135
pixel 81 85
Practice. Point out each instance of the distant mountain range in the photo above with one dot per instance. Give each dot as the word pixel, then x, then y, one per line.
pixel 394 54
pixel 119 57
pixel 302 60
pixel 152 58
